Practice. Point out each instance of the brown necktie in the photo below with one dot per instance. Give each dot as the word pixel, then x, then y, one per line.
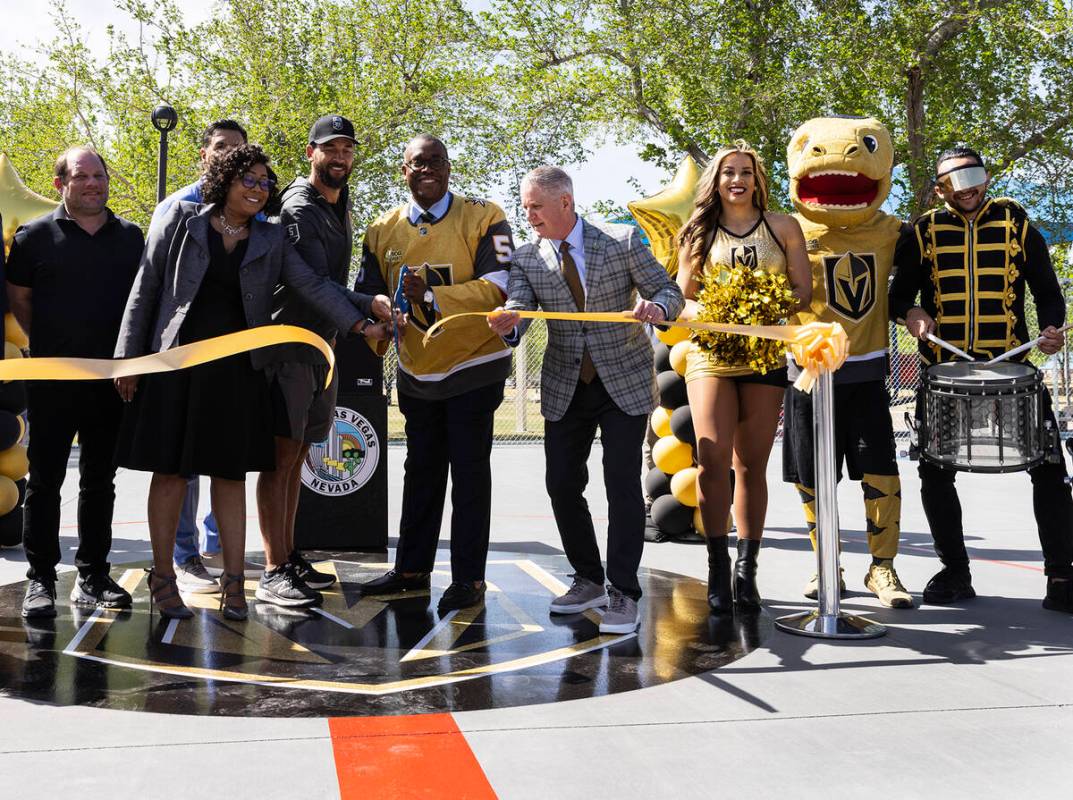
pixel 573 280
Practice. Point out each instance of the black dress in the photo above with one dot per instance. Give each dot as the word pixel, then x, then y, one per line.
pixel 214 419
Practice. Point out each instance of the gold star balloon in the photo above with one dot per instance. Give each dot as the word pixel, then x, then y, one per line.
pixel 18 203
pixel 662 215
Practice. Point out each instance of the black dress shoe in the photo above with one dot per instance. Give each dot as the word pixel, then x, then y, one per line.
pixel 392 582
pixel 1059 596
pixel 948 586
pixel 461 594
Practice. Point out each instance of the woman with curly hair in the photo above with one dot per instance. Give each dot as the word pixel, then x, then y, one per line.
pixel 735 408
pixel 210 270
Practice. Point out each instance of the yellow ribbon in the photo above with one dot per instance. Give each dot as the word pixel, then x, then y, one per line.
pixel 816 347
pixel 189 355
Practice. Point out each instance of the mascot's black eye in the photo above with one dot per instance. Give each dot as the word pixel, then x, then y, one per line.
pixel 871 143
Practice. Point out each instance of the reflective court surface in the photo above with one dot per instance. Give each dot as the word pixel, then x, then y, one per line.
pixel 356 656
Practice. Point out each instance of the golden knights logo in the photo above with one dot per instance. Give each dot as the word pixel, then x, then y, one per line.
pixel 346 460
pixel 851 283
pixel 743 257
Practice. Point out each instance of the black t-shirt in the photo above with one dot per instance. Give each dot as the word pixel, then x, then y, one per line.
pixel 80 282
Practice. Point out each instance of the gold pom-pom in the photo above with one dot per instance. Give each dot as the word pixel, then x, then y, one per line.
pixel 744 297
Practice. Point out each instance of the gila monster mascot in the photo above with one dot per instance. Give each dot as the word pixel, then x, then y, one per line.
pixel 840 175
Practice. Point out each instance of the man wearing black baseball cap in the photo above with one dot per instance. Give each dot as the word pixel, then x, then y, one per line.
pixel 315 213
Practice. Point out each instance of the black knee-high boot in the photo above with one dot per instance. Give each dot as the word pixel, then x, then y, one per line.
pixel 745 593
pixel 720 597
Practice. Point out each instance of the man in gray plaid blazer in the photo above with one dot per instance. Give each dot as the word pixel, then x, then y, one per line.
pixel 594 374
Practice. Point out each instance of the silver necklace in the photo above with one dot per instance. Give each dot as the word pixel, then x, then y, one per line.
pixel 231 231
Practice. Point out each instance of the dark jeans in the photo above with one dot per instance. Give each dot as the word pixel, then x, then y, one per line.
pixel 58 410
pixel 567 444
pixel 1052 505
pixel 455 433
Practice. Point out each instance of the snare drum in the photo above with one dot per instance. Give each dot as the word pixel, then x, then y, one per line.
pixel 977 418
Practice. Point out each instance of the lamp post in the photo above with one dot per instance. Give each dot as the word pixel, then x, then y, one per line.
pixel 164 119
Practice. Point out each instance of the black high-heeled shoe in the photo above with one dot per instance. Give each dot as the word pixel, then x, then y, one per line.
pixel 720 599
pixel 166 589
pixel 746 595
pixel 233 612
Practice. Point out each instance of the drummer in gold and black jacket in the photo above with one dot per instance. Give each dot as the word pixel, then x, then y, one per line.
pixel 970 261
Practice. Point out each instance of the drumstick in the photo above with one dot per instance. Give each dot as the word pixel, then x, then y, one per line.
pixel 1027 346
pixel 956 351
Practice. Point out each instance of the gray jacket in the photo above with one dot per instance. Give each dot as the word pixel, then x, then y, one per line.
pixel 618 267
pixel 174 263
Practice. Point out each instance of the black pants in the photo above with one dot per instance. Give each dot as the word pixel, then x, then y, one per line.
pixel 1052 505
pixel 567 444
pixel 58 410
pixel 457 434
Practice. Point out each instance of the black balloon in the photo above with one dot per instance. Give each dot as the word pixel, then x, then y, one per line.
pixel 672 389
pixel 682 425
pixel 10 427
pixel 663 357
pixel 657 483
pixel 13 396
pixel 672 517
pixel 11 528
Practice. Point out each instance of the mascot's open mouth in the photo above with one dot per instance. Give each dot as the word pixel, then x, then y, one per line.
pixel 837 189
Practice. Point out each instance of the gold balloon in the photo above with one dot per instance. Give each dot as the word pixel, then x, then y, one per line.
pixel 13 331
pixel 684 486
pixel 698 522
pixel 662 215
pixel 13 462
pixel 9 495
pixel 672 336
pixel 678 356
pixel 671 454
pixel 661 422
pixel 11 350
pixel 18 203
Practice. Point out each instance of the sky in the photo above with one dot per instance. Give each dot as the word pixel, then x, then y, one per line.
pixel 604 176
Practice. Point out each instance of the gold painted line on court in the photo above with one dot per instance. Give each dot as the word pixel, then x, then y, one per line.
pixel 428 681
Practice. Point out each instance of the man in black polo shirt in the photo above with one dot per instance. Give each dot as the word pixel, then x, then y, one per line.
pixel 69 274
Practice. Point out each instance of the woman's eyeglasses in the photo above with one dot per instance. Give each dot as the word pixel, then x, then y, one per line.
pixel 249 181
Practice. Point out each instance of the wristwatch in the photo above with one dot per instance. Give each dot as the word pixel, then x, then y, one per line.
pixel 429 297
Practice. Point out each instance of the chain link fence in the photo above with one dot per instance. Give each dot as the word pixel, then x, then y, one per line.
pixel 518 419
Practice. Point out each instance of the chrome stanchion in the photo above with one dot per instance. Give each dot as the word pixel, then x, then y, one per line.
pixel 827 622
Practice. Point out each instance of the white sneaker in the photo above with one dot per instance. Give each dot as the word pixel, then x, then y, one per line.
pixel 192 577
pixel 621 614
pixel 581 596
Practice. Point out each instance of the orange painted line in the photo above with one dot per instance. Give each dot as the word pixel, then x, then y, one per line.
pixel 395 758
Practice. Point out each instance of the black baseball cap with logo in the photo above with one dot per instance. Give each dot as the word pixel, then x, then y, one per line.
pixel 331 126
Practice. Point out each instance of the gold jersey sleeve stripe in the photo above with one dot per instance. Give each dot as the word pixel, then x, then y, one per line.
pixel 816 347
pixel 188 355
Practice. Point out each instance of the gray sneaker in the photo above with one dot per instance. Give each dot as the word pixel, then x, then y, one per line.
pixel 583 595
pixel 191 576
pixel 40 600
pixel 621 614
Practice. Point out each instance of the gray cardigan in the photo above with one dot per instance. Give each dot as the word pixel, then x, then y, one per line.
pixel 174 263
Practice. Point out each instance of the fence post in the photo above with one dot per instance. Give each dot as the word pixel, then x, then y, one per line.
pixel 521 385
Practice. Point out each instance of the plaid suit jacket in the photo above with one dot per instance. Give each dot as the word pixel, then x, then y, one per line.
pixel 617 267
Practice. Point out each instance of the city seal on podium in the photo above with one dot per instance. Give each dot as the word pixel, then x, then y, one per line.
pixel 346 460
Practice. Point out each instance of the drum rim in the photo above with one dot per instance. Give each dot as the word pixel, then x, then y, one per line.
pixel 934 378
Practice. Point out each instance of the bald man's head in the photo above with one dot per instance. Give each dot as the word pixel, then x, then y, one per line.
pixel 427 169
pixel 81 178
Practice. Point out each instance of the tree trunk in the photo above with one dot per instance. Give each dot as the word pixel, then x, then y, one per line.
pixel 920 182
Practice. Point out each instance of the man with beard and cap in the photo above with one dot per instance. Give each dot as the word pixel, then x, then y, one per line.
pixel 445 254
pixel 970 262
pixel 68 278
pixel 315 213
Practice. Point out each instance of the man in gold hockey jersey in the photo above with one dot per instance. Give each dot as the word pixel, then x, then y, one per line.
pixel 840 170
pixel 446 254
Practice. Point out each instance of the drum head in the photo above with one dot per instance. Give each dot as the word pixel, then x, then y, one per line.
pixel 977 374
